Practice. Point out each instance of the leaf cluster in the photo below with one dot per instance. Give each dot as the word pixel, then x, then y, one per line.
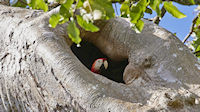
pixel 135 11
pixel 91 10
pixel 196 41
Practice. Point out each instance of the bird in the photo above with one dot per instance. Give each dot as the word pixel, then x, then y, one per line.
pixel 88 53
pixel 99 65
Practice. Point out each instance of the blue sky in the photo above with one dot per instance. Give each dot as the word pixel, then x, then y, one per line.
pixel 179 26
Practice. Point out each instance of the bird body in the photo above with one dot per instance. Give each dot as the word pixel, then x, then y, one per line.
pixel 99 65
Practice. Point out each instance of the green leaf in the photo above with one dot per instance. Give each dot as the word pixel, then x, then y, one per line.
pixel 198 49
pixel 55 18
pixel 114 0
pixel 158 11
pixel 80 3
pixel 65 12
pixel 143 4
pixel 38 4
pixel 175 34
pixel 125 8
pixel 73 32
pixel 134 28
pixel 154 4
pixel 135 14
pixel 137 11
pixel 20 4
pixel 197 21
pixel 42 5
pixel 148 10
pixel 196 43
pixel 32 4
pixel 139 25
pixel 191 1
pixel 67 4
pixel 173 10
pixel 198 35
pixel 87 26
pixel 64 20
pixel 102 8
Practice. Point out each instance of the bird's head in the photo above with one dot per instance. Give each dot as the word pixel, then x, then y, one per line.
pixel 99 65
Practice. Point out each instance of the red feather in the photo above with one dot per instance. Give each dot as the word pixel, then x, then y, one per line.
pixel 93 69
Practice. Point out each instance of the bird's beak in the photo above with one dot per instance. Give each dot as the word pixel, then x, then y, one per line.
pixel 104 65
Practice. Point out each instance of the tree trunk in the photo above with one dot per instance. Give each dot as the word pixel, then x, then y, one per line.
pixel 39 72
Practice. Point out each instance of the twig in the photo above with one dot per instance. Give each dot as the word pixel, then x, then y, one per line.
pixel 149 19
pixel 76 5
pixel 196 52
pixel 23 2
pixel 156 20
pixel 54 4
pixel 90 8
pixel 116 9
pixel 191 29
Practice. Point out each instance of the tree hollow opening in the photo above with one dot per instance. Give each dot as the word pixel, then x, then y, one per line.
pixel 88 53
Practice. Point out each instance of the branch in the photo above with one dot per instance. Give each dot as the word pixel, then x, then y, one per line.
pixel 192 27
pixel 149 19
pixel 116 9
pixel 196 52
pixel 156 20
pixel 5 2
pixel 23 2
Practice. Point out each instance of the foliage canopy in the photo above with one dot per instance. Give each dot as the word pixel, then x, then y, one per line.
pixel 90 10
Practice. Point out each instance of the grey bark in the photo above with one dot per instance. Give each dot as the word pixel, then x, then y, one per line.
pixel 39 72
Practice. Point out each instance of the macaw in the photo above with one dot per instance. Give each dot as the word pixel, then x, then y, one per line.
pixel 99 65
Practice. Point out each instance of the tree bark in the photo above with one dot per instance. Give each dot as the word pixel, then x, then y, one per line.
pixel 39 72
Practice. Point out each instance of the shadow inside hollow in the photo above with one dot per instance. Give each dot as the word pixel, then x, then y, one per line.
pixel 88 53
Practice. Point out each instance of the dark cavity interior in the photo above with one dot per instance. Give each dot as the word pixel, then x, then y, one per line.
pixel 88 53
